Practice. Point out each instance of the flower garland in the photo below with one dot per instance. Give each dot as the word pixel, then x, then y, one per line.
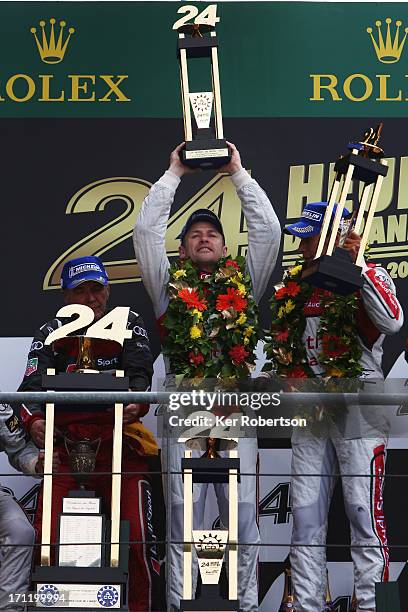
pixel 339 351
pixel 211 321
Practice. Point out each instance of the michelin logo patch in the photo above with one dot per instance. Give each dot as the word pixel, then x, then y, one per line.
pixel 74 270
pixel 32 366
pixel 310 214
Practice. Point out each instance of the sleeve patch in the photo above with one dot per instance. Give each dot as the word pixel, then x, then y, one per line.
pixel 32 365
pixel 383 288
pixel 12 424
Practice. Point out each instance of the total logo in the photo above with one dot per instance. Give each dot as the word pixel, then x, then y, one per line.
pixel 52 40
pixel 107 596
pixel 388 40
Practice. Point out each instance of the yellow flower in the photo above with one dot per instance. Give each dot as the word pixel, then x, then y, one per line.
pixel 289 306
pixel 241 319
pixel 281 312
pixel 179 273
pixel 249 331
pixel 246 341
pixel 332 371
pixel 294 271
pixel 195 332
pixel 241 289
pixel 239 274
pixel 198 313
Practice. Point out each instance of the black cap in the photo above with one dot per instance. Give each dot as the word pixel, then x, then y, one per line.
pixel 203 214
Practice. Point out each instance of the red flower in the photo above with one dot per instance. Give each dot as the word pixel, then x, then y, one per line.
pixel 282 336
pixel 191 298
pixel 195 359
pixel 231 299
pixel 333 346
pixel 296 372
pixel 233 264
pixel 292 289
pixel 280 293
pixel 238 354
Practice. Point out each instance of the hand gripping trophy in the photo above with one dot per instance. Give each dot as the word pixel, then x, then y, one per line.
pixel 206 148
pixel 332 268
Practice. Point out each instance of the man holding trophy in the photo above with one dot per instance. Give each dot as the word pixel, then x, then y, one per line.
pixel 84 281
pixel 335 336
pixel 203 246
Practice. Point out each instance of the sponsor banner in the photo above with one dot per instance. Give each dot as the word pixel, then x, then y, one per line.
pixel 323 59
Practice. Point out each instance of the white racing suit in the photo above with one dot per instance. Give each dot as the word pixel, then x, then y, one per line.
pixel 356 447
pixel 15 528
pixel 263 244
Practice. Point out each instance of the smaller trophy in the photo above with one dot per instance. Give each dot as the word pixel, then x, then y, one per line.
pixel 329 602
pixel 206 148
pixel 287 603
pixel 82 458
pixel 332 268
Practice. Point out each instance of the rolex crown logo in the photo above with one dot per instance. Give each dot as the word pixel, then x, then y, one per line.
pixel 52 47
pixel 389 50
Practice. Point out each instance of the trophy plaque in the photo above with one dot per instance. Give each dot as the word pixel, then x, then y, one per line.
pixel 91 567
pixel 205 146
pixel 332 268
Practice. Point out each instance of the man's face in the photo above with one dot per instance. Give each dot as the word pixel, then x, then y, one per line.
pixel 204 245
pixel 308 246
pixel 90 294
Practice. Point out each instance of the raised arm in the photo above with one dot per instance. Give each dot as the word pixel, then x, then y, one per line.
pixel 264 231
pixel 149 236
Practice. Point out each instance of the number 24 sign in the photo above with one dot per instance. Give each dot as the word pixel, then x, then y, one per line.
pixel 113 326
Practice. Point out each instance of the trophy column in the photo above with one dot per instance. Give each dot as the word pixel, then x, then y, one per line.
pixel 210 544
pixel 94 574
pixel 206 147
pixel 332 268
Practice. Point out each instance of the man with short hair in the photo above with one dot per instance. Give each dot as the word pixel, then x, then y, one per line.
pixel 203 242
pixel 354 440
pixel 84 281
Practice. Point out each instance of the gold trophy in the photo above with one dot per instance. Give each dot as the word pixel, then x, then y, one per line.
pixel 81 573
pixel 83 349
pixel 210 545
pixel 332 268
pixel 329 601
pixel 206 148
pixel 288 601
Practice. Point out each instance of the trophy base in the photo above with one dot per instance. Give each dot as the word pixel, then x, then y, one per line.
pixel 80 588
pixel 387 596
pixel 205 153
pixel 210 601
pixel 211 470
pixel 335 273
